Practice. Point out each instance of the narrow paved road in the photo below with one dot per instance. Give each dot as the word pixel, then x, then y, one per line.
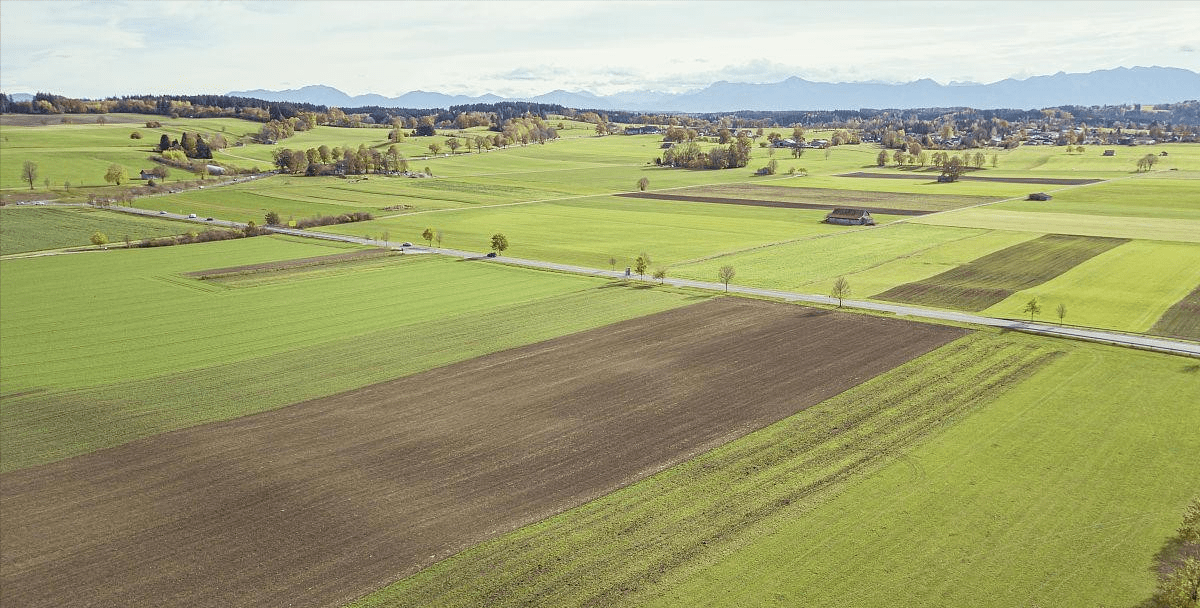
pixel 1165 345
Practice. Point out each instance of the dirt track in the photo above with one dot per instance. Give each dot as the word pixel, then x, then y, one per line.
pixel 762 203
pixel 318 503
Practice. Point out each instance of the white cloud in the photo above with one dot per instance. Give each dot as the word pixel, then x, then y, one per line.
pixel 96 49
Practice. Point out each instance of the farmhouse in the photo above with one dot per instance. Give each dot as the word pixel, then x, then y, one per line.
pixel 849 217
pixel 645 130
pixel 147 174
pixel 1039 196
pixel 1109 153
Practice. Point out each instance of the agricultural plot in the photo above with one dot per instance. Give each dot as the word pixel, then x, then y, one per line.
pixel 592 230
pixel 800 264
pixel 1140 197
pixel 994 277
pixel 166 351
pixel 830 198
pixel 1181 320
pixel 348 492
pixel 1082 224
pixel 1114 290
pixel 24 229
pixel 990 472
pixel 1057 493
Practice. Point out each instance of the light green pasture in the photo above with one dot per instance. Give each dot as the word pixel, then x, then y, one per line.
pixel 589 231
pixel 1147 228
pixel 24 229
pixel 1141 196
pixel 1126 288
pixel 869 257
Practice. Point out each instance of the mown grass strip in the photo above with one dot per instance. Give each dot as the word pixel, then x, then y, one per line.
pixel 992 278
pixel 627 542
pixel 1181 320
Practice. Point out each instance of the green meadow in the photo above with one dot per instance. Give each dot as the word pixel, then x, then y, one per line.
pixel 25 229
pixel 148 350
pixel 990 472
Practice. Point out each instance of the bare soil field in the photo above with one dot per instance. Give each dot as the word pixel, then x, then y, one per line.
pixel 1050 181
pixel 321 502
pixel 990 279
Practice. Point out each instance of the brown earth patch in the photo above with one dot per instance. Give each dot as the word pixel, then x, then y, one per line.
pixel 1053 181
pixel 322 260
pixel 321 502
pixel 761 203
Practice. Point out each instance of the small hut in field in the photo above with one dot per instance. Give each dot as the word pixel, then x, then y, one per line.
pixel 849 217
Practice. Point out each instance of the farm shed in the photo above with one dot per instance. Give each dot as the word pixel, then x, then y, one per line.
pixel 1039 196
pixel 215 170
pixel 1109 153
pixel 849 217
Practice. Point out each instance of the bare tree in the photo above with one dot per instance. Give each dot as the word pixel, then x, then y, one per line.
pixel 726 274
pixel 1033 308
pixel 643 183
pixel 1062 312
pixel 437 237
pixel 841 290
pixel 661 275
pixel 29 172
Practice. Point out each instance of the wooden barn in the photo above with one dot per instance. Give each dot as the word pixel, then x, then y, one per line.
pixel 850 217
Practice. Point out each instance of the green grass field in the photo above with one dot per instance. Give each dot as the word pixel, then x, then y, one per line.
pixel 24 229
pixel 1113 290
pixel 987 473
pixel 147 350
pixel 987 280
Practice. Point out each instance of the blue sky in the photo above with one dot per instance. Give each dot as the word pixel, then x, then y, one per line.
pixel 98 49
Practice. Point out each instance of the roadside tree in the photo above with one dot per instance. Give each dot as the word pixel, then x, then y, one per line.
pixel 726 274
pixel 99 239
pixel 29 172
pixel 499 243
pixel 1032 307
pixel 661 275
pixel 841 290
pixel 272 218
pixel 643 184
pixel 640 264
pixel 1062 313
pixel 428 236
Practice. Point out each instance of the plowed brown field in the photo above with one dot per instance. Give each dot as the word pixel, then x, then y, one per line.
pixel 323 501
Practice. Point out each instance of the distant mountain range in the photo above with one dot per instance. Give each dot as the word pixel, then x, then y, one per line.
pixel 1102 87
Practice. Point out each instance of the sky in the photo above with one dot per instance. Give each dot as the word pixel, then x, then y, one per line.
pixel 98 49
